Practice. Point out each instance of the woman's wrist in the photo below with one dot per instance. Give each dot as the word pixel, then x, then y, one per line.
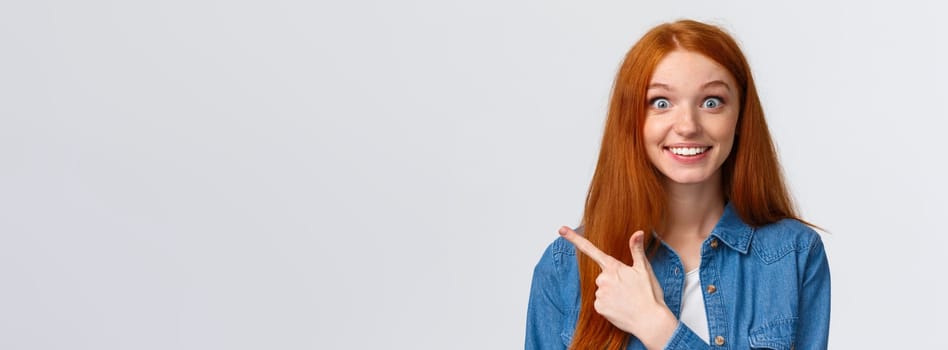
pixel 658 333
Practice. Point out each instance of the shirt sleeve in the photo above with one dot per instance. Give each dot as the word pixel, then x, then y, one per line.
pixel 814 312
pixel 545 315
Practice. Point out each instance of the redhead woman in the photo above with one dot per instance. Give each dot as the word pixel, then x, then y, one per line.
pixel 689 239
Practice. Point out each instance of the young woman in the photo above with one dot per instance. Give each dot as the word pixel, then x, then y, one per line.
pixel 689 239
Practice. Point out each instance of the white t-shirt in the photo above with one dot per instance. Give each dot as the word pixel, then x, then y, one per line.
pixel 693 314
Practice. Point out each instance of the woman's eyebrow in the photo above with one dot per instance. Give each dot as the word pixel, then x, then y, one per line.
pixel 659 86
pixel 716 83
pixel 712 83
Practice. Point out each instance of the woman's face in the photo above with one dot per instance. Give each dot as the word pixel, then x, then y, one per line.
pixel 692 114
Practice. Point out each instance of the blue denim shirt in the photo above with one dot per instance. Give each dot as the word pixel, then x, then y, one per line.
pixel 771 289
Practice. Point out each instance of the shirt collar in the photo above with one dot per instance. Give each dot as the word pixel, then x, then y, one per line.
pixel 731 230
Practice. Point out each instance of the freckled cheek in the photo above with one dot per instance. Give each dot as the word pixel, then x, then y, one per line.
pixel 724 134
pixel 723 129
pixel 654 132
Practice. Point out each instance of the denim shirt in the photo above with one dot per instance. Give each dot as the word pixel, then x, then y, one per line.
pixel 764 288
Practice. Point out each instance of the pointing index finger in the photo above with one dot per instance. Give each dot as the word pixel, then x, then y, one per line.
pixel 585 246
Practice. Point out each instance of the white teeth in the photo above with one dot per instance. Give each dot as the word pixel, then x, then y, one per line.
pixel 688 151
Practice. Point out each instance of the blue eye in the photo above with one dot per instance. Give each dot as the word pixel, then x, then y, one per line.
pixel 660 103
pixel 712 102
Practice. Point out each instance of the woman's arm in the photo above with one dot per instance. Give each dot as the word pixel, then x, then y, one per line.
pixel 545 314
pixel 814 313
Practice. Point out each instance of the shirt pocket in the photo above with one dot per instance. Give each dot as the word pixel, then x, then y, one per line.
pixel 776 335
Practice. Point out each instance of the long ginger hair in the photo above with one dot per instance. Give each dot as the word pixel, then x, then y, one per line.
pixel 626 193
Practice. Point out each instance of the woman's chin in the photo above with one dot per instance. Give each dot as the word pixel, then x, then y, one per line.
pixel 690 179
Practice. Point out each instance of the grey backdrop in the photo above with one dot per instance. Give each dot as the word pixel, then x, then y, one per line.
pixel 385 174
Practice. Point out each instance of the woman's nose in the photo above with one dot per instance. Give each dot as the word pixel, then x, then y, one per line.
pixel 686 123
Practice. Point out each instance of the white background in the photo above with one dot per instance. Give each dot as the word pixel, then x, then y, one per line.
pixel 385 174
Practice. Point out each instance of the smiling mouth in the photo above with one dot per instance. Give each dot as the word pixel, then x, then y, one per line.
pixel 688 151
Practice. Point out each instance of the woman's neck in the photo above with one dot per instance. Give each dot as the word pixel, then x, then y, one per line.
pixel 693 209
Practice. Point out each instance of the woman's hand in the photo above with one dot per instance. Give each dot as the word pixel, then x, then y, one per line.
pixel 630 297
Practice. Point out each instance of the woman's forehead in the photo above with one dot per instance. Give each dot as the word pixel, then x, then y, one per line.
pixel 682 69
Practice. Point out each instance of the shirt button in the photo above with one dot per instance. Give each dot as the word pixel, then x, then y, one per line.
pixel 714 243
pixel 719 340
pixel 712 289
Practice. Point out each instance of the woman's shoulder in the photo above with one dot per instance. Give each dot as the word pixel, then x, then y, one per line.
pixel 559 258
pixel 788 230
pixel 559 252
pixel 784 236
